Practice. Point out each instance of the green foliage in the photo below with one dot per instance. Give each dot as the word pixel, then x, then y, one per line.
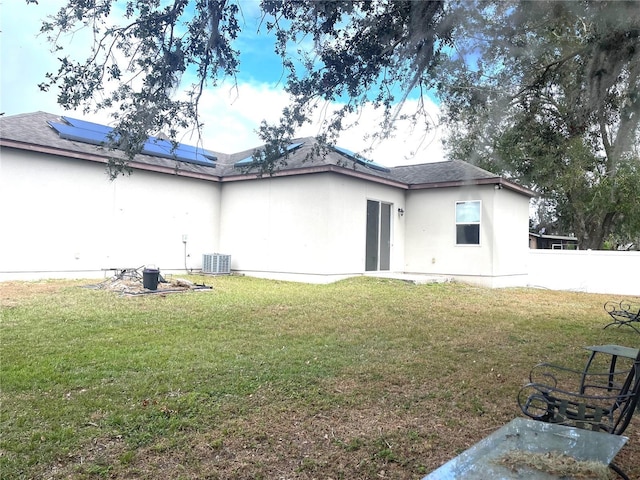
pixel 136 62
pixel 548 93
pixel 363 51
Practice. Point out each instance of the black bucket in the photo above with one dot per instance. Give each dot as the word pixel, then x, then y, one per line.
pixel 150 278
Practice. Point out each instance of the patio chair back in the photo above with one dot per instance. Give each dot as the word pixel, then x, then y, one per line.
pixel 583 399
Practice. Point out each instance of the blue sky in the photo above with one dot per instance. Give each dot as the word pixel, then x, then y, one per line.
pixel 231 113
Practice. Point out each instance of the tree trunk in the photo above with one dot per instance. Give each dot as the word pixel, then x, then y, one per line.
pixel 592 233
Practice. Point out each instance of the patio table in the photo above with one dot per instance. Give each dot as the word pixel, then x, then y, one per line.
pixel 480 462
pixel 614 351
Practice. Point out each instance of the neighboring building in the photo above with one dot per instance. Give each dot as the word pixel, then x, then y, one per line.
pixel 553 242
pixel 316 219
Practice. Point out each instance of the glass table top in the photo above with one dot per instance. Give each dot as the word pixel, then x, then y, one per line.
pixel 534 437
pixel 616 350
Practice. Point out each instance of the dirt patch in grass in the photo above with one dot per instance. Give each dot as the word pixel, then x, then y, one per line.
pixel 13 294
pixel 99 459
pixel 403 431
pixel 135 286
pixel 364 443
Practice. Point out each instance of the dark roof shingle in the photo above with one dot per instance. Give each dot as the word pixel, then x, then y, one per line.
pixel 440 172
pixel 32 129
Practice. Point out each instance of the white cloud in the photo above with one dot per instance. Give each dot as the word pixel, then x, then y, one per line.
pixel 231 114
pixel 409 144
pixel 231 117
pixel 25 59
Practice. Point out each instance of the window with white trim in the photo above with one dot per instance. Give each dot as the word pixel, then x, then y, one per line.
pixel 468 222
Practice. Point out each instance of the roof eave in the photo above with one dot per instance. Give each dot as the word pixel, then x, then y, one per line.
pixel 315 169
pixel 222 177
pixel 104 159
pixel 499 181
pixel 553 237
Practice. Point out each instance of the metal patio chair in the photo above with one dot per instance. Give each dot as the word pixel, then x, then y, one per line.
pixel 625 312
pixel 602 401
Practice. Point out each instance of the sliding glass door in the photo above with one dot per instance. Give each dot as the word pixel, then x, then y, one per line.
pixel 378 246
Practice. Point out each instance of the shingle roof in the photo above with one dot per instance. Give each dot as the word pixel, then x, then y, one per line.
pixel 303 158
pixel 31 131
pixel 441 172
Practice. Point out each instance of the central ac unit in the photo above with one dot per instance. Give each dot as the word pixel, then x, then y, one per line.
pixel 216 263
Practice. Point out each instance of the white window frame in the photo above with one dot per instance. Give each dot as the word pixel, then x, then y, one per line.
pixel 472 221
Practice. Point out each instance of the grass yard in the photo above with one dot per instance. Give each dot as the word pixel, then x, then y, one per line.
pixel 362 379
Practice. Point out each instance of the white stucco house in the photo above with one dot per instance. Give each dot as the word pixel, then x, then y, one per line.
pixel 315 219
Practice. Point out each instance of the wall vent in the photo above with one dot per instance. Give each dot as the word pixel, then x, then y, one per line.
pixel 216 263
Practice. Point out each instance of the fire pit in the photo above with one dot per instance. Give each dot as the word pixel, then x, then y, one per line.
pixel 129 281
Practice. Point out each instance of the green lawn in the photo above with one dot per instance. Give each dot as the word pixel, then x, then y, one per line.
pixel 365 378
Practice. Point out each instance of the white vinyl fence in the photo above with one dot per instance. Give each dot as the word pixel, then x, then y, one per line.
pixel 592 271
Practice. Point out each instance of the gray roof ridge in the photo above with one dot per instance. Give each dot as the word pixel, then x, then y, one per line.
pixel 32 128
pixel 440 162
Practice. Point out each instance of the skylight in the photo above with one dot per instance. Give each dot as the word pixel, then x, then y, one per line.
pixel 96 134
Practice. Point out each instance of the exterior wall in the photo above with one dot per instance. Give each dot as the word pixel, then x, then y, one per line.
pixel 510 229
pixel 499 260
pixel 591 271
pixel 328 213
pixel 63 218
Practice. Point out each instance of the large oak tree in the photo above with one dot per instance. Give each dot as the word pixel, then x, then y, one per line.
pixel 548 92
